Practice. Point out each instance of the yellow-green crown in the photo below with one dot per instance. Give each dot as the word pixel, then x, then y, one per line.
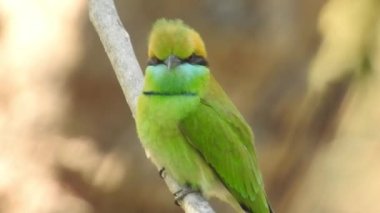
pixel 173 37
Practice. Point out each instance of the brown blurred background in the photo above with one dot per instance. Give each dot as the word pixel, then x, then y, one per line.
pixel 304 73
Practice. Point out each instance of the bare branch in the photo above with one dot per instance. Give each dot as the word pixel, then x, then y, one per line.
pixel 118 47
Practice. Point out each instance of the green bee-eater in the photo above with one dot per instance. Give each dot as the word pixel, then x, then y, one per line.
pixel 188 124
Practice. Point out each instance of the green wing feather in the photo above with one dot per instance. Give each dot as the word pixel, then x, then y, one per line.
pixel 218 131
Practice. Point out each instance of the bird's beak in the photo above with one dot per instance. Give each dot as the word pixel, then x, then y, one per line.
pixel 172 62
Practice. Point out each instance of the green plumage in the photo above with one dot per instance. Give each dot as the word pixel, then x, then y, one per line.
pixel 189 126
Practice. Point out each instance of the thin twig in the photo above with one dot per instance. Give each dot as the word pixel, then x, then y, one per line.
pixel 118 47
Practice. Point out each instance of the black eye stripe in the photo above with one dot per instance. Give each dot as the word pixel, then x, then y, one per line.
pixel 196 59
pixel 154 61
pixel 193 59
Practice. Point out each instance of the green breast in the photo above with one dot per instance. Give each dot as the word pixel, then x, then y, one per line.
pixel 164 109
pixel 157 125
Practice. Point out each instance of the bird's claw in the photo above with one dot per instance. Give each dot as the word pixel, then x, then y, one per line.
pixel 181 194
pixel 162 172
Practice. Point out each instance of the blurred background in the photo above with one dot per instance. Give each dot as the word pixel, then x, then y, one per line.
pixel 304 73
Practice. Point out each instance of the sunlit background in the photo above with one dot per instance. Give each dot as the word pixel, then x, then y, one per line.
pixel 304 73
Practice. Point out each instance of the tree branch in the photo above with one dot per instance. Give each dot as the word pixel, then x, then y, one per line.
pixel 118 47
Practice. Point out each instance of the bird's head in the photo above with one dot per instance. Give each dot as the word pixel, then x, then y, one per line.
pixel 172 42
pixel 177 58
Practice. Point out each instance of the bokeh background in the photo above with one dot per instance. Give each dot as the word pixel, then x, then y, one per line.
pixel 304 73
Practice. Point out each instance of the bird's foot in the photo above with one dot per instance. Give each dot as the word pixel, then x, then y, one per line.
pixel 182 193
pixel 162 173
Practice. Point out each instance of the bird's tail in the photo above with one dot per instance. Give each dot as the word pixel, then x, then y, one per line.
pixel 270 208
pixel 260 205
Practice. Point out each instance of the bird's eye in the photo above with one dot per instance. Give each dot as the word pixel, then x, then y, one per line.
pixel 154 61
pixel 196 59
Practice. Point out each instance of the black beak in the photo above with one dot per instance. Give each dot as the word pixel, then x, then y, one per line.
pixel 172 62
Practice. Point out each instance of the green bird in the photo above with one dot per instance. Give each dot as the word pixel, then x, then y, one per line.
pixel 188 124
